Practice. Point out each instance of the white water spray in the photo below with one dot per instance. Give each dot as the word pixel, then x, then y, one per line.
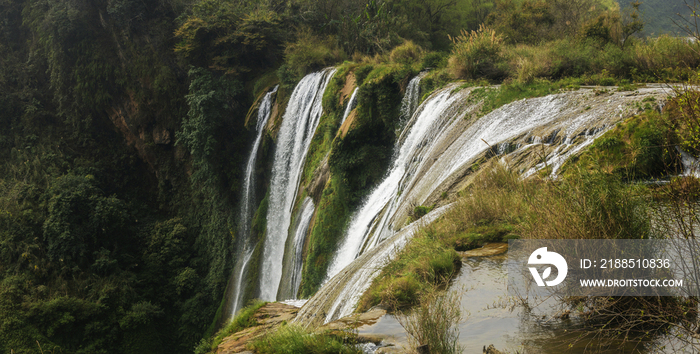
pixel 408 152
pixel 248 200
pixel 307 211
pixel 298 126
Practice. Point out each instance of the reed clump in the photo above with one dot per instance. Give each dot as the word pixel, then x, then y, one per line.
pixel 476 53
pixel 434 324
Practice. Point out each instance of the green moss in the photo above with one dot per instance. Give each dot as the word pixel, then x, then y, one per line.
pixel 419 211
pixel 328 229
pixel 478 235
pixel 636 148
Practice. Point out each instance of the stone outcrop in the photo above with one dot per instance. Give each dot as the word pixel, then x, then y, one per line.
pixel 267 317
pixel 489 249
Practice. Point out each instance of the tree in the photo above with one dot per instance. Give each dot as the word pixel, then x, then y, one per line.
pixel 690 23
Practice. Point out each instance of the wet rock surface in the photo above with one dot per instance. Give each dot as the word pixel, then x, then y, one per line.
pixel 489 249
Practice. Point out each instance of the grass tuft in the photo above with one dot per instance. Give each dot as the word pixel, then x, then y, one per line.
pixel 292 339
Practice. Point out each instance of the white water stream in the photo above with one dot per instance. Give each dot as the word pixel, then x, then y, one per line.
pixel 298 126
pixel 691 165
pixel 248 200
pixel 307 212
pixel 351 106
pixel 408 153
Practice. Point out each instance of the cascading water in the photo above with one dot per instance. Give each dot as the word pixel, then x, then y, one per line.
pixel 410 100
pixel 351 106
pixel 307 212
pixel 691 165
pixel 248 196
pixel 298 126
pixel 339 296
pixel 437 150
pixel 248 199
pixel 383 198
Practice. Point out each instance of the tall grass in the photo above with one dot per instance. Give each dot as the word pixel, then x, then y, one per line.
pixel 434 324
pixel 426 263
pixel 476 53
pixel 482 54
pixel 582 206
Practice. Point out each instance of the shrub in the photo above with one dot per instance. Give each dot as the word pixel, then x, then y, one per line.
pixel 665 57
pixel 407 53
pixel 434 60
pixel 571 58
pixel 419 212
pixel 476 53
pixel 684 118
pixel 311 52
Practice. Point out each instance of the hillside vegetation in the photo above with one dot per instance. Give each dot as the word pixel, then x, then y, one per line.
pixel 122 136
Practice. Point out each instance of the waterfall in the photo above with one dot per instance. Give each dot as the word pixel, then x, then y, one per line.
pixel 298 126
pixel 691 166
pixel 407 150
pixel 248 200
pixel 436 151
pixel 351 106
pixel 248 195
pixel 307 211
pixel 409 103
pixel 339 296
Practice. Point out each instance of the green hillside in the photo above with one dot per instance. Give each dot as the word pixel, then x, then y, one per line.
pixel 659 15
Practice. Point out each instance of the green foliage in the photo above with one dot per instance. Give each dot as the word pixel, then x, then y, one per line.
pixel 434 60
pixel 292 339
pixel 310 53
pixel 419 211
pixel 527 22
pixel 80 219
pixel 407 53
pixel 362 155
pixel 476 54
pixel 230 37
pixel 208 100
pixel 685 119
pixel 635 149
pixel 329 225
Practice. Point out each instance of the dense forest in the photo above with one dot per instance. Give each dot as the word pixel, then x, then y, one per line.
pixel 122 133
